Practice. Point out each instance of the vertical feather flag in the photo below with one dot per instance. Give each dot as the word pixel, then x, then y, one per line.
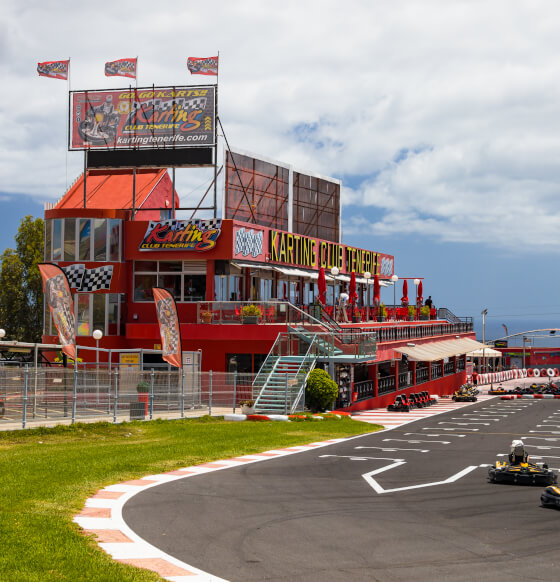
pixel 59 299
pixel 166 311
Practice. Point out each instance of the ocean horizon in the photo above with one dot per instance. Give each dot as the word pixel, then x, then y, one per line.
pixel 493 329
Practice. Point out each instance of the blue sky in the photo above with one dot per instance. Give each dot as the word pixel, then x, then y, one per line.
pixel 441 118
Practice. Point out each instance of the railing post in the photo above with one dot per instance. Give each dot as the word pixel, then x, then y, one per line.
pixel 286 394
pixel 25 381
pixel 116 395
pixel 151 405
pixel 234 390
pixel 74 395
pixel 182 393
pixel 210 393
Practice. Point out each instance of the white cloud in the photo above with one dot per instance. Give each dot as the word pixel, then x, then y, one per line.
pixel 442 115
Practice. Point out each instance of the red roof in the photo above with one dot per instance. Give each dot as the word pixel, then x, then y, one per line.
pixel 112 189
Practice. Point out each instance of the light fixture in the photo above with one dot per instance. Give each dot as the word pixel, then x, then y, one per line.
pixel 417 282
pixel 134 316
pixel 411 345
pixel 394 278
pixel 2 333
pixel 97 334
pixel 335 271
pixel 367 275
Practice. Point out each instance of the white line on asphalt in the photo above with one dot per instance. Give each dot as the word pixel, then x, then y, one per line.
pixel 471 413
pixel 433 435
pixel 461 418
pixel 414 442
pixel 545 431
pixel 464 423
pixel 548 425
pixel 379 489
pixel 454 428
pixel 393 450
pixel 356 458
pixel 550 439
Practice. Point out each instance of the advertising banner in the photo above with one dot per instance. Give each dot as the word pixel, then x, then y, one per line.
pixel 121 68
pixel 204 66
pixel 54 69
pixel 169 330
pixel 181 235
pixel 160 117
pixel 59 299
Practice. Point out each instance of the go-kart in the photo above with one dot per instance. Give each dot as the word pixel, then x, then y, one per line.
pixel 521 474
pixel 498 390
pixel 550 497
pixel 401 404
pixel 466 393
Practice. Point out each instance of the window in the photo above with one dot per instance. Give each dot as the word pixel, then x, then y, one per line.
pixel 143 285
pixel 171 275
pixel 99 301
pixel 195 287
pixel 57 240
pixel 100 240
pixel 171 283
pixel 85 240
pixel 48 240
pixel 83 323
pixel 114 240
pixel 70 239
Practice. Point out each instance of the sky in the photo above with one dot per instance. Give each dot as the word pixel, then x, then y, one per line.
pixel 440 117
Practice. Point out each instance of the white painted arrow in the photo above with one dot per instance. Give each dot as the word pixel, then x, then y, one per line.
pixel 379 489
pixel 469 419
pixel 443 428
pixel 356 458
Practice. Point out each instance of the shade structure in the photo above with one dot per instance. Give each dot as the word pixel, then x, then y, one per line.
pixel 405 291
pixel 352 288
pixel 420 291
pixel 376 288
pixel 322 286
pixel 435 351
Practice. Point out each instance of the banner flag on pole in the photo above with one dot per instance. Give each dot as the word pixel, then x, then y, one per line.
pixel 166 310
pixel 59 299
pixel 207 66
pixel 54 69
pixel 121 68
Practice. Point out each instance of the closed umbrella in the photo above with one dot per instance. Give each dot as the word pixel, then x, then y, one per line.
pixel 404 298
pixel 352 292
pixel 420 299
pixel 376 297
pixel 322 285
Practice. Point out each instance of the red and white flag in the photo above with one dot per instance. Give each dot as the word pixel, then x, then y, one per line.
pixel 54 69
pixel 121 68
pixel 166 310
pixel 59 299
pixel 207 66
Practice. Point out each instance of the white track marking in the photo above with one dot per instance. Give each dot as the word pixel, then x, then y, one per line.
pixel 433 435
pixel 394 450
pixel 464 423
pixel 454 428
pixel 357 458
pixel 469 419
pixel 545 431
pixel 379 489
pixel 415 442
pixel 548 425
pixel 549 439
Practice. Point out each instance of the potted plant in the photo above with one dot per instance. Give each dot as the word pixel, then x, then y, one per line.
pixel 143 389
pixel 425 312
pixel 251 313
pixel 247 406
pixel 411 313
pixel 206 316
pixel 381 312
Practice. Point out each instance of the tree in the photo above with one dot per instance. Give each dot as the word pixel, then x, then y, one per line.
pixel 321 390
pixel 21 288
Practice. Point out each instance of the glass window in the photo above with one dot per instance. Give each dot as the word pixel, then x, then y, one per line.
pixel 113 315
pixel 100 240
pixel 258 360
pixel 171 283
pixel 57 240
pixel 48 240
pixel 85 239
pixel 143 287
pixel 70 239
pixel 83 314
pixel 240 363
pixel 114 239
pixel 99 312
pixel 174 266
pixel 195 287
pixel 235 289
pixel 145 266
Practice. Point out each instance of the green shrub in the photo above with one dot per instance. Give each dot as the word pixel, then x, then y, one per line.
pixel 321 391
pixel 251 309
pixel 142 387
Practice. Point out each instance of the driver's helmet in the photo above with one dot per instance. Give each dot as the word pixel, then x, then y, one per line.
pixel 517 448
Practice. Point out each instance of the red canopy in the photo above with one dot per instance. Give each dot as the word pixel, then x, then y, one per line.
pixel 352 288
pixel 322 285
pixel 405 291
pixel 376 298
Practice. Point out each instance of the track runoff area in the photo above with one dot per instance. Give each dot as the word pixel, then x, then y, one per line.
pixel 408 503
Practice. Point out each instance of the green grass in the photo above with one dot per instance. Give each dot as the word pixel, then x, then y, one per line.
pixel 47 474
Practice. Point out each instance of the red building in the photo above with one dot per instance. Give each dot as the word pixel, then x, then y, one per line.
pixel 116 238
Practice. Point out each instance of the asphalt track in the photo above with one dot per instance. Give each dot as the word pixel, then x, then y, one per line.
pixel 326 515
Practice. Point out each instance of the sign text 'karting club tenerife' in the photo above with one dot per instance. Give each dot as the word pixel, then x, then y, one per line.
pixel 174 117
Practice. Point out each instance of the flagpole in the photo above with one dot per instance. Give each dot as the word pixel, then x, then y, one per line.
pixel 216 141
pixel 136 76
pixel 68 87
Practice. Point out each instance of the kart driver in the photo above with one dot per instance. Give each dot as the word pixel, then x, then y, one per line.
pixel 518 453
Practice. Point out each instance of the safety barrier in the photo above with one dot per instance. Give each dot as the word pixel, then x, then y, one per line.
pixel 497 377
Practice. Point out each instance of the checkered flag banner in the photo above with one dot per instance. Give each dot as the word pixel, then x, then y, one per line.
pixel 169 330
pixel 75 275
pixel 175 224
pixel 97 279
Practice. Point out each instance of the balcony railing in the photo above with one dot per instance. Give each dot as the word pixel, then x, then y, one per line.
pixel 386 385
pixel 365 389
pixel 448 368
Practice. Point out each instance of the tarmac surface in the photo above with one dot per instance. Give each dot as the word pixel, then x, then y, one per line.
pixel 410 503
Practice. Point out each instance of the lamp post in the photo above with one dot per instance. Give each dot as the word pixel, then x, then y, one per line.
pixel 524 340
pixel 97 335
pixel 484 312
pixel 394 278
pixel 367 276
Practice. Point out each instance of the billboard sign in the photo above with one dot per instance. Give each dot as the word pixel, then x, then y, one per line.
pixel 181 235
pixel 155 117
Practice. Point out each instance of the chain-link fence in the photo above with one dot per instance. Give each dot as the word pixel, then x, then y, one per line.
pixel 34 396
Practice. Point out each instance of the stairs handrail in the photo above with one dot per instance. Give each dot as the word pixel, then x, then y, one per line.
pixel 304 383
pixel 270 353
pixel 306 315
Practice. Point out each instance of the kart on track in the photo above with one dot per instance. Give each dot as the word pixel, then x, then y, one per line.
pixel 466 393
pixel 550 497
pixel 498 390
pixel 522 474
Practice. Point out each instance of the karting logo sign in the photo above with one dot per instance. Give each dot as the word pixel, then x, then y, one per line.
pixel 181 235
pixel 248 242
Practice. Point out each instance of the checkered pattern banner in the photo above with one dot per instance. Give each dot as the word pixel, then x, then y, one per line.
pixel 89 280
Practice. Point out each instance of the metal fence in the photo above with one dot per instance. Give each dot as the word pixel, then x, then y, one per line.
pixel 36 396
